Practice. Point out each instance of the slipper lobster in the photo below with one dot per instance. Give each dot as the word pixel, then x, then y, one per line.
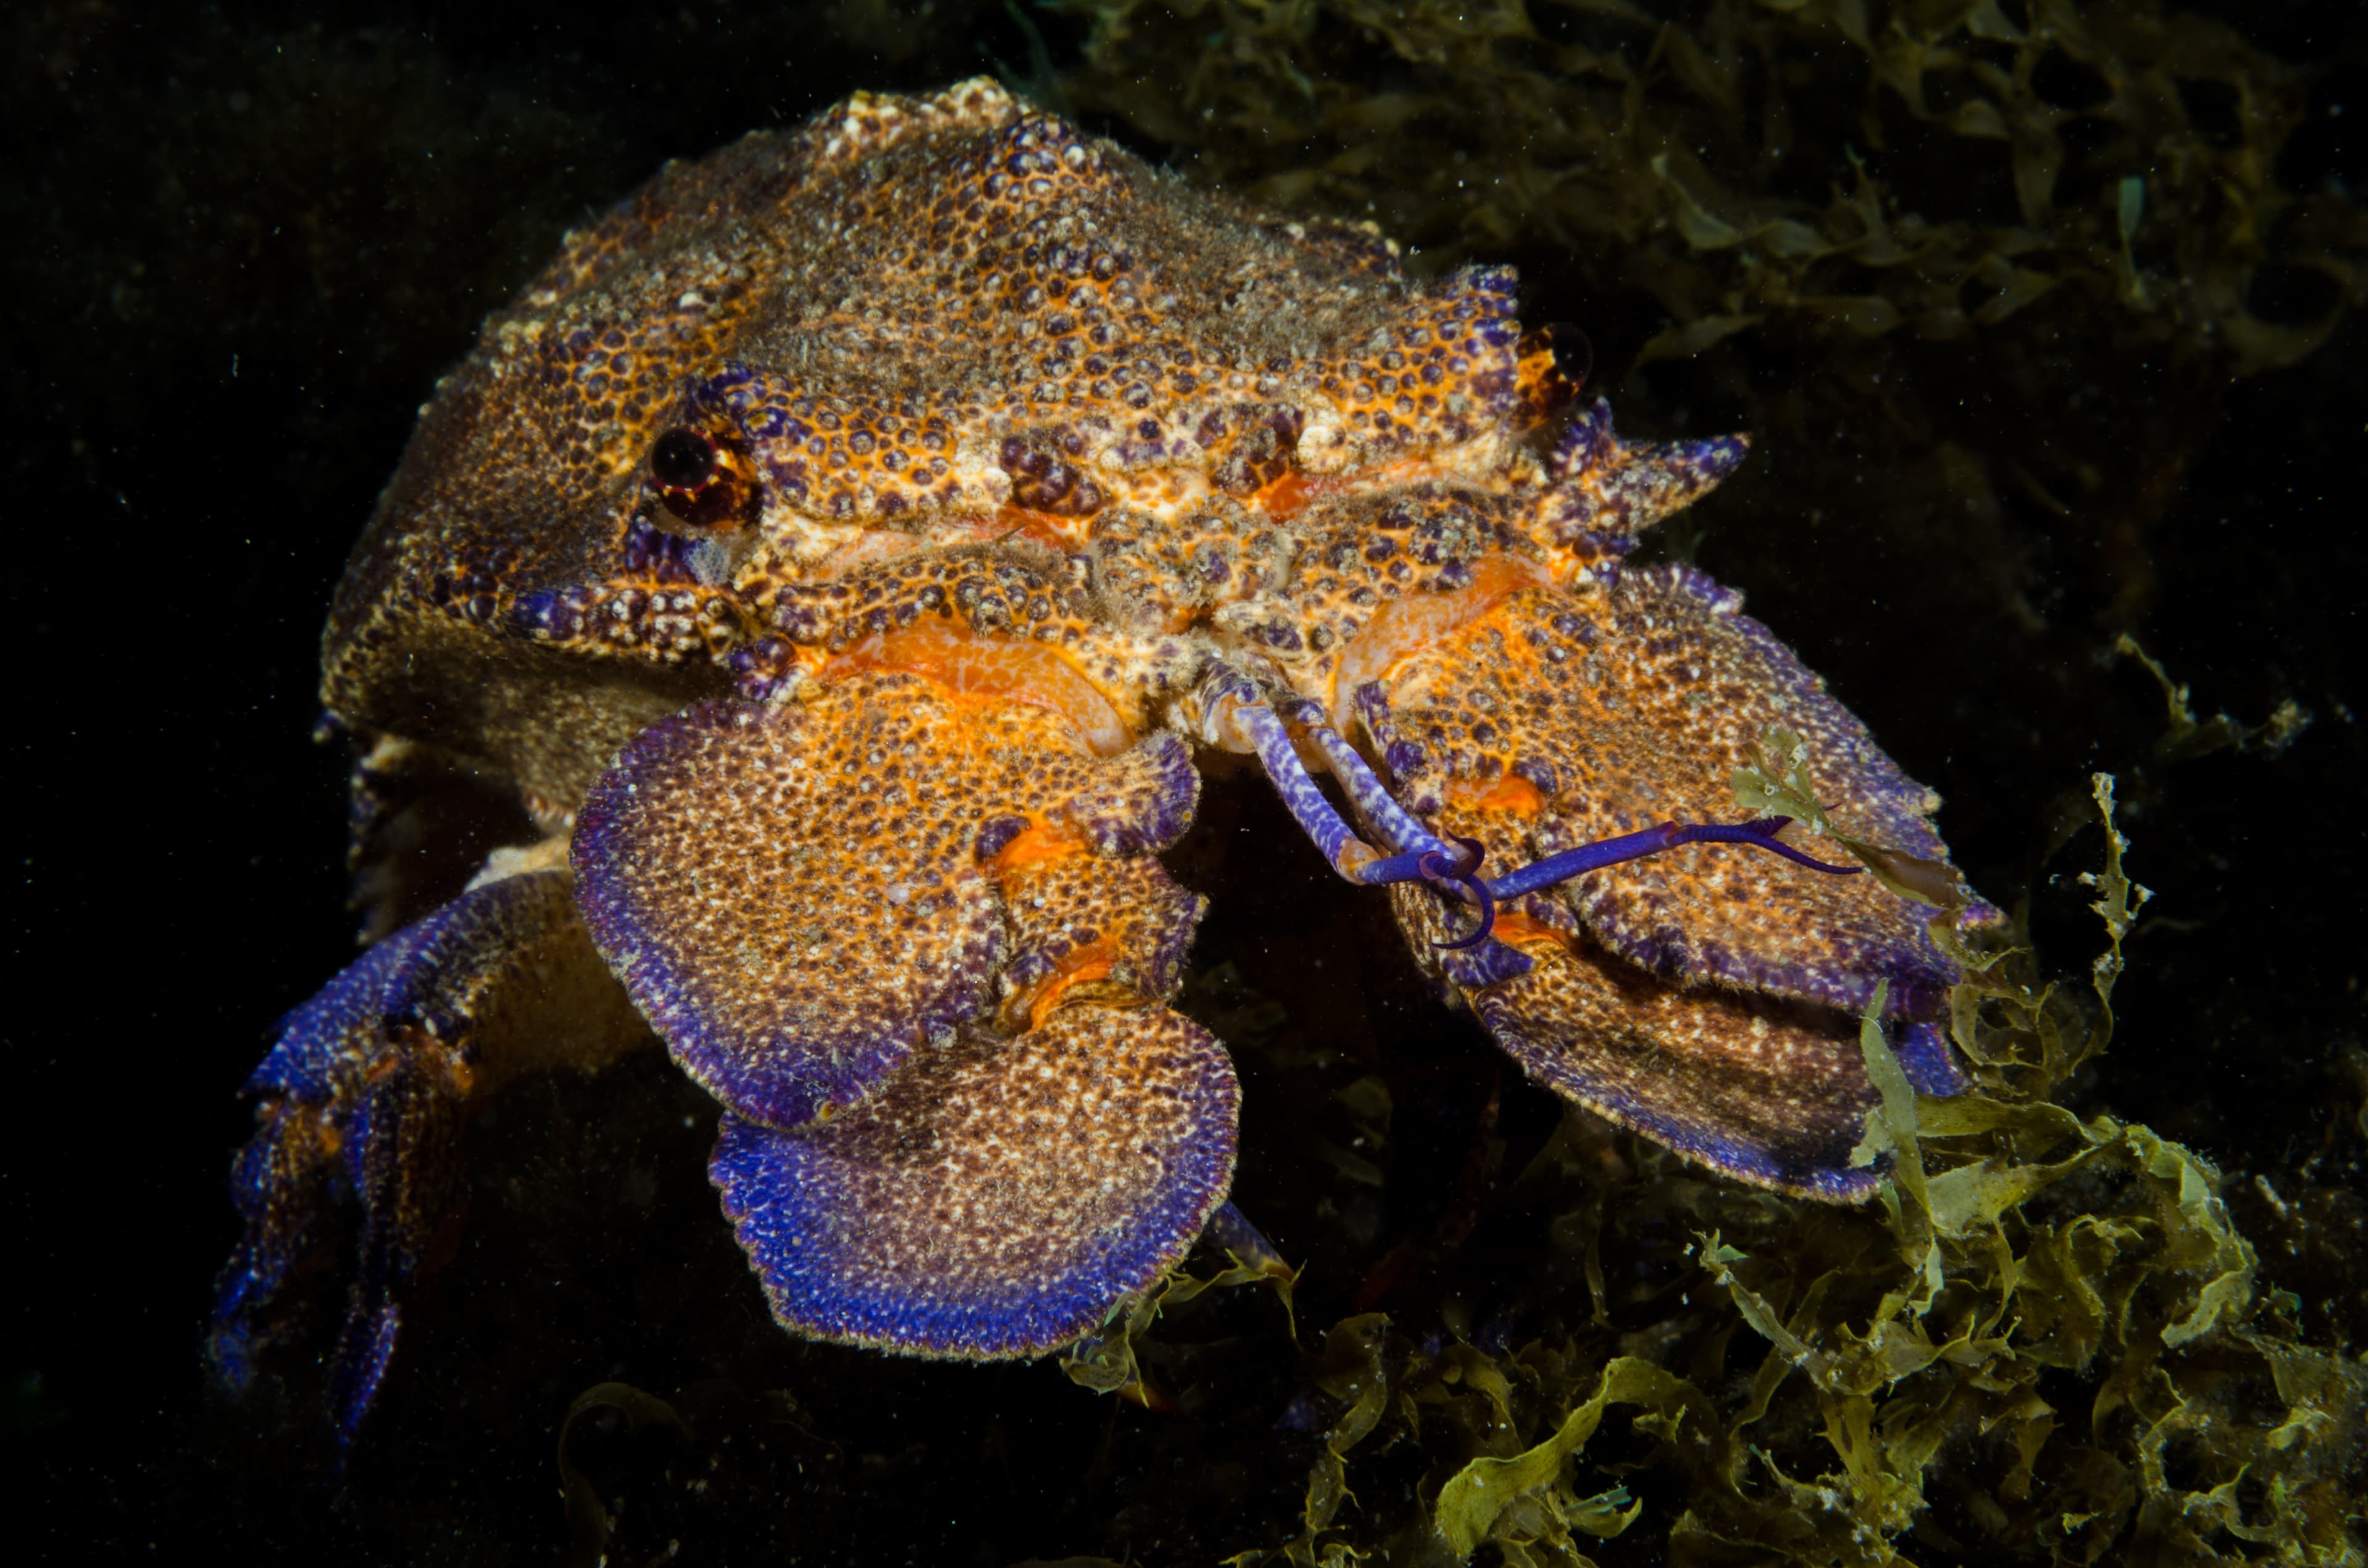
pixel 831 567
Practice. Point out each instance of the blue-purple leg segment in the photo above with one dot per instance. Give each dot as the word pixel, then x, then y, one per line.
pixel 994 1198
pixel 283 1180
pixel 1421 855
pixel 1454 869
pixel 1244 719
pixel 361 1103
pixel 1399 828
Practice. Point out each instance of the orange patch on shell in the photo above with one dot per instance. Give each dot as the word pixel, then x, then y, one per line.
pixel 1093 961
pixel 1037 844
pixel 1285 496
pixel 1516 929
pixel 1508 792
pixel 1409 626
pixel 966 665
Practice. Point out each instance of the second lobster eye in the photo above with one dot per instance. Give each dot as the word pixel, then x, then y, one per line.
pixel 682 459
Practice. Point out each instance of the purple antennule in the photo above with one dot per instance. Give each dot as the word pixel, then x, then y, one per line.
pixel 1458 878
pixel 1465 880
pixel 1760 835
pixel 1388 868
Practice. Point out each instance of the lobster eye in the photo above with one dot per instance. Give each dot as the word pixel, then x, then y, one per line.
pixel 1574 354
pixel 1553 363
pixel 682 459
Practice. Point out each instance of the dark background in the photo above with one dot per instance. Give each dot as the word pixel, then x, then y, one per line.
pixel 245 240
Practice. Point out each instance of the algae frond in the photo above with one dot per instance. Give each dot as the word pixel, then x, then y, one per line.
pixel 2046 1342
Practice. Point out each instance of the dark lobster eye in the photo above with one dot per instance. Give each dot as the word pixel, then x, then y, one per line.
pixel 1555 361
pixel 1574 354
pixel 682 459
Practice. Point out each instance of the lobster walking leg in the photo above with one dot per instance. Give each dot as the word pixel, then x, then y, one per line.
pixel 364 1097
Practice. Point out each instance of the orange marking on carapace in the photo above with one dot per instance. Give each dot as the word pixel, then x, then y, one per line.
pixel 1001 668
pixel 1406 626
pixel 1516 929
pixel 1508 792
pixel 1295 490
pixel 1040 842
pixel 1064 534
pixel 1093 961
pixel 1539 385
pixel 1535 366
pixel 1285 496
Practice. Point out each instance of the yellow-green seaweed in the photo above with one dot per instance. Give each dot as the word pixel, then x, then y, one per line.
pixel 2046 1344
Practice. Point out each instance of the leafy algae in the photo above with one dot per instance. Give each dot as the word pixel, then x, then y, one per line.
pixel 2048 1340
pixel 2044 1341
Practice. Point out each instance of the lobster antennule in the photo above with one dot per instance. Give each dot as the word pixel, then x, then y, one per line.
pixel 1452 869
pixel 1401 828
pixel 1241 719
pixel 1552 725
pixel 1464 876
pixel 1760 835
pixel 1422 856
pixel 1461 876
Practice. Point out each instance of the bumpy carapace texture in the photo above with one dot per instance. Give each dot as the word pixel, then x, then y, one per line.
pixel 823 570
